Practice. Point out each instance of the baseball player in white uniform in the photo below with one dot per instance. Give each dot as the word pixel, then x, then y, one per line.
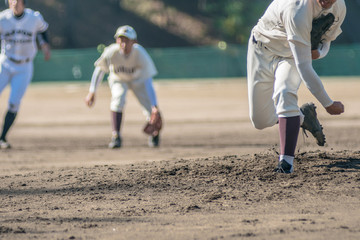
pixel 21 29
pixel 129 67
pixel 279 58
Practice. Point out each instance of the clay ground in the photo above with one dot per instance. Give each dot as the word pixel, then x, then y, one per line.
pixel 212 177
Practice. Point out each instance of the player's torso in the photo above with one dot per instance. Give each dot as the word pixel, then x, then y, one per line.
pixel 123 67
pixel 137 66
pixel 122 64
pixel 19 35
pixel 271 28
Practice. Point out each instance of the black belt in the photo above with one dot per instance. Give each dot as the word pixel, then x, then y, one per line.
pixel 19 61
pixel 254 40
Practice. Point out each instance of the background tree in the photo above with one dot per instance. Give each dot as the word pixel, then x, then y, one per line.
pixel 234 19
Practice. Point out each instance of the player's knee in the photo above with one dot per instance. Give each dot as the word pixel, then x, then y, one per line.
pixel 14 108
pixel 287 104
pixel 262 122
pixel 258 125
pixel 116 108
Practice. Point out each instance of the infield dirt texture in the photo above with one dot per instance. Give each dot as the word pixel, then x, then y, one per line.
pixel 210 179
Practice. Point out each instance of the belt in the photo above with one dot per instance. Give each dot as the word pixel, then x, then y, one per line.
pixel 258 42
pixel 19 61
pixel 254 40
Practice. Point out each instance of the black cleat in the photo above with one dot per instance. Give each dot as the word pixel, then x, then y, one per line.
pixel 312 124
pixel 115 142
pixel 154 141
pixel 284 167
pixel 4 144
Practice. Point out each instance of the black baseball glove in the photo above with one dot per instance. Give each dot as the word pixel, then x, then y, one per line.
pixel 319 27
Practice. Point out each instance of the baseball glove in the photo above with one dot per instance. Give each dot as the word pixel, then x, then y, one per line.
pixel 319 27
pixel 155 123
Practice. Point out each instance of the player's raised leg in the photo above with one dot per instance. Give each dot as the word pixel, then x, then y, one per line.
pixel 260 80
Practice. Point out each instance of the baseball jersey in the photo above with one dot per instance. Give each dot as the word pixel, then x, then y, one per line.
pixel 138 65
pixel 18 36
pixel 286 20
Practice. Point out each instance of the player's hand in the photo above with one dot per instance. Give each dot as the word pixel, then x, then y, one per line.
pixel 90 99
pixel 336 108
pixel 45 48
pixel 315 54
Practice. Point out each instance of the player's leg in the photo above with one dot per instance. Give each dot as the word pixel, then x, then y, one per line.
pixel 4 81
pixel 118 98
pixel 4 77
pixel 260 77
pixel 145 93
pixel 286 87
pixel 19 83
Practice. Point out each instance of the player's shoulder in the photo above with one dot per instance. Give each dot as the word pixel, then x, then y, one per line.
pixel 32 12
pixel 6 14
pixel 139 49
pixel 342 6
pixel 339 8
pixel 110 50
pixel 341 3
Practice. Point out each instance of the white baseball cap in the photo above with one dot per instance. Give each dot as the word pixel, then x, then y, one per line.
pixel 126 31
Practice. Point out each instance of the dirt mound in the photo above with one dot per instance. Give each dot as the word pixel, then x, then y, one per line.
pixel 212 177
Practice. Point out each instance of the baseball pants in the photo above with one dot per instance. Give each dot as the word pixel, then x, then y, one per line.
pixel 143 91
pixel 273 83
pixel 19 77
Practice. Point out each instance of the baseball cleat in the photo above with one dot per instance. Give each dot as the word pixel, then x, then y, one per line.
pixel 4 144
pixel 312 124
pixel 154 141
pixel 284 167
pixel 115 142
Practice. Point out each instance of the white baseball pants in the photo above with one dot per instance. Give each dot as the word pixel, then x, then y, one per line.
pixel 143 90
pixel 273 83
pixel 19 77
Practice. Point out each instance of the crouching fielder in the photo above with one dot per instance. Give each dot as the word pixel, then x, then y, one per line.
pixel 130 68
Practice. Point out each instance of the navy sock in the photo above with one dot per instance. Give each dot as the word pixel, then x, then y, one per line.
pixel 289 128
pixel 8 122
pixel 116 118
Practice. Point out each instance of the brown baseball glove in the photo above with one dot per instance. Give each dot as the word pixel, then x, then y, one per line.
pixel 155 123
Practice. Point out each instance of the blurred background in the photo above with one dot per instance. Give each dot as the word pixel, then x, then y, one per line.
pixel 187 38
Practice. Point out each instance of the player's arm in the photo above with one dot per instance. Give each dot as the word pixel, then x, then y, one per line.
pixel 146 65
pixel 96 79
pixel 321 52
pixel 302 57
pixel 43 41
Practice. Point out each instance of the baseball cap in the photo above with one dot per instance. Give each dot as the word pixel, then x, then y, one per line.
pixel 126 31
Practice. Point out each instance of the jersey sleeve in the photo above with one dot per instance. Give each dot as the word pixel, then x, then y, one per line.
pixel 147 66
pixel 103 61
pixel 298 23
pixel 41 24
pixel 302 57
pixel 96 79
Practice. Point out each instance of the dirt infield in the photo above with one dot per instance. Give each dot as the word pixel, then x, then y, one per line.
pixel 210 179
